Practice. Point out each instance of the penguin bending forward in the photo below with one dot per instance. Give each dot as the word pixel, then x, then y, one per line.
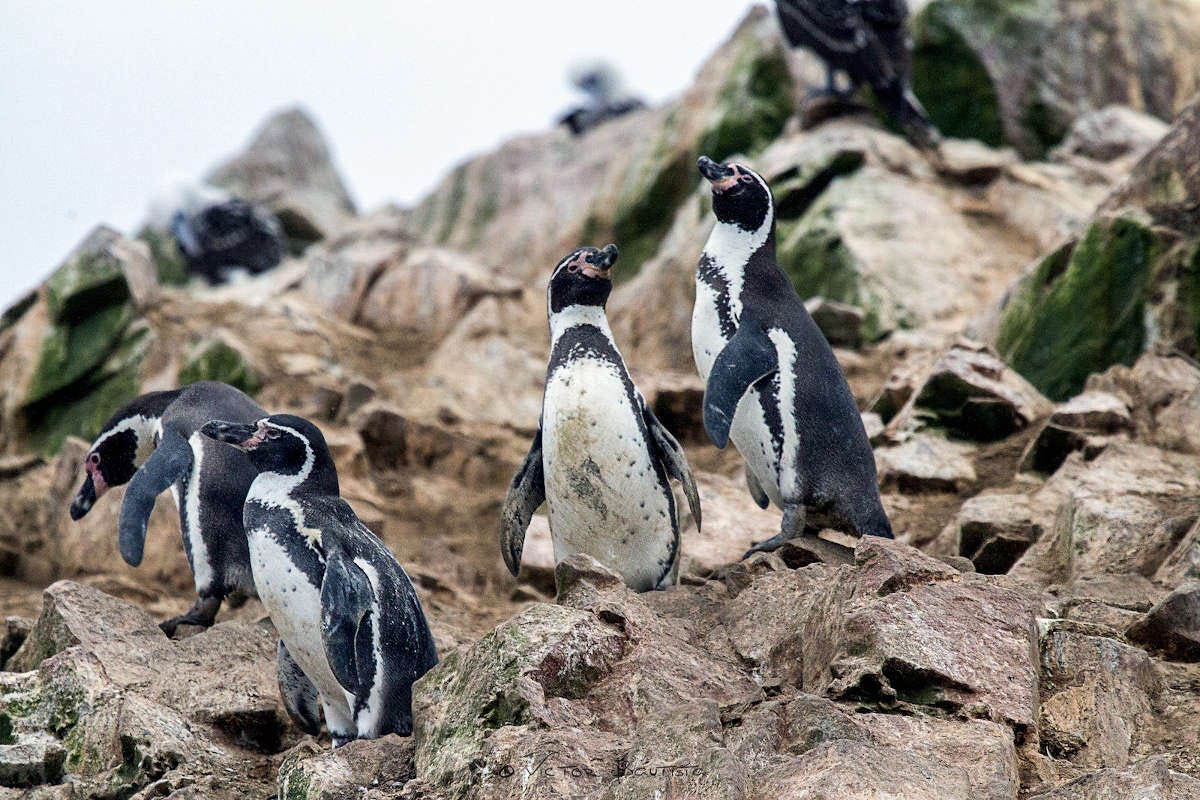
pixel 152 443
pixel 342 604
pixel 773 385
pixel 600 459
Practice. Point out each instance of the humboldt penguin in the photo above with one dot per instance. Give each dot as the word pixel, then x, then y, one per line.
pixel 868 40
pixel 342 604
pixel 152 444
pixel 773 385
pixel 600 458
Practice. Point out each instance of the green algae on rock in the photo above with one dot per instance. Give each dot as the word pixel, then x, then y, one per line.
pixel 217 360
pixel 1042 333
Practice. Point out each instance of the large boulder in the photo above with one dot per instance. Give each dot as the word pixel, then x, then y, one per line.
pixel 113 706
pixel 1021 72
pixel 1134 266
pixel 288 167
pixel 76 353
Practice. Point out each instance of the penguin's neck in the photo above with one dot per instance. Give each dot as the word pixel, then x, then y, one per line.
pixel 316 476
pixel 146 428
pixel 735 254
pixel 574 316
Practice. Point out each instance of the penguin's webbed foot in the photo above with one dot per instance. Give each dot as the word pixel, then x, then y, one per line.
pixel 768 545
pixel 203 613
pixel 341 739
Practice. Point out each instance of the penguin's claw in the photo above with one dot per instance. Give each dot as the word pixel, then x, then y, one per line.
pixel 767 545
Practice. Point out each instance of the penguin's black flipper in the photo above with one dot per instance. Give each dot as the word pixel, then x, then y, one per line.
pixel 526 492
pixel 298 692
pixel 673 459
pixel 166 465
pixel 749 357
pixel 756 491
pixel 346 598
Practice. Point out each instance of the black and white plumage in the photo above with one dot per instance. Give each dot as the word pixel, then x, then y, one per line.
pixel 344 608
pixel 152 443
pixel 224 237
pixel 773 385
pixel 607 98
pixel 600 459
pixel 869 41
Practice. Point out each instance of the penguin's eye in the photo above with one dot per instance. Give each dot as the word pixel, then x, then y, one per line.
pixel 94 459
pixel 747 179
pixel 573 268
pixel 273 434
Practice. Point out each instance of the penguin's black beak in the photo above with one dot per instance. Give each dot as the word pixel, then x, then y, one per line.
pixel 84 499
pixel 600 264
pixel 243 437
pixel 712 171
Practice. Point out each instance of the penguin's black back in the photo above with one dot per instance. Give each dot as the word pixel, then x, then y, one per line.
pixel 835 455
pixel 225 477
pixel 866 39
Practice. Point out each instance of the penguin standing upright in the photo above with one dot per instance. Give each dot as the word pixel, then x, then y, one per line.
pixel 153 443
pixel 339 599
pixel 868 40
pixel 600 459
pixel 773 384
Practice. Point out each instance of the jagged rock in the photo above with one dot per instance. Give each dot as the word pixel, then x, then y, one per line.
pixel 31 761
pixel 77 353
pixel 1082 423
pixel 1149 779
pixel 1172 627
pixel 970 162
pixel 886 566
pixel 1112 132
pixel 926 463
pixel 1000 72
pixel 1113 601
pixel 1127 511
pixel 995 529
pixel 623 180
pixel 983 750
pixel 974 394
pixel 215 359
pixel 130 708
pixel 856 769
pixel 311 772
pixel 1184 562
pixel 961 644
pixel 840 322
pixel 1097 693
pixel 1133 261
pixel 288 167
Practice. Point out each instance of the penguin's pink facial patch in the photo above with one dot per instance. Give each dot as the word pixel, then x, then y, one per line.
pixel 258 438
pixel 724 184
pixel 92 467
pixel 592 271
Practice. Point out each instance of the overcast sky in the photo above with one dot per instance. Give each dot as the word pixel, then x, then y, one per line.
pixel 105 103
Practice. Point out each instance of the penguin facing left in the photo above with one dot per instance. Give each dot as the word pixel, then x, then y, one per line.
pixel 600 459
pixel 773 384
pixel 152 443
pixel 342 604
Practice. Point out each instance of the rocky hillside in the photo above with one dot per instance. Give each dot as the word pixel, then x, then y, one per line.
pixel 1018 315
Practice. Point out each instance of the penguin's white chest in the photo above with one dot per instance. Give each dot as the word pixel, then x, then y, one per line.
pixel 295 608
pixel 750 432
pixel 603 493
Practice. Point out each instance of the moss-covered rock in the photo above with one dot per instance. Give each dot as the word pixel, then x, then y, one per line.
pixel 752 106
pixel 1024 69
pixel 951 80
pixel 217 360
pixel 1082 308
pixel 814 256
pixel 169 262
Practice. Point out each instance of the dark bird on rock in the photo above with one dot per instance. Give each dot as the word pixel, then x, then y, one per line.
pixel 868 40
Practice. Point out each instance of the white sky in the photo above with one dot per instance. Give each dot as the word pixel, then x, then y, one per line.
pixel 104 103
